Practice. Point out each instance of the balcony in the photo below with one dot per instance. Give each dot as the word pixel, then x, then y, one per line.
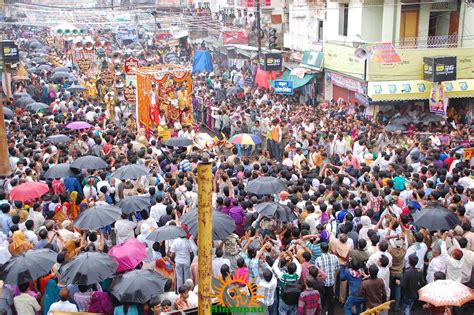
pixel 442 41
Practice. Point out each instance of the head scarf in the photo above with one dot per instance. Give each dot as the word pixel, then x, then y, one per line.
pixel 70 247
pixel 19 244
pixel 74 206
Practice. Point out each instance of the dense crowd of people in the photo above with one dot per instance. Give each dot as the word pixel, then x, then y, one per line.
pixel 352 189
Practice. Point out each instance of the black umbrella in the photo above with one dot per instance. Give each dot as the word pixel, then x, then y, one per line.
pixel 166 233
pixel 21 94
pixel 131 204
pixel 428 118
pixel 436 218
pixel 266 185
pixel 55 139
pixel 89 162
pixel 222 224
pixel 44 67
pixel 276 210
pixel 58 76
pixel 76 89
pixel 61 69
pixel 36 106
pixel 131 171
pixel 178 142
pixel 28 267
pixel 88 268
pixel 59 171
pixel 8 113
pixel 97 217
pixel 23 101
pixel 394 127
pixel 138 286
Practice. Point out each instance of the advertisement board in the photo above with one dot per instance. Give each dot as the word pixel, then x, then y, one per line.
pixel 283 87
pixel 439 69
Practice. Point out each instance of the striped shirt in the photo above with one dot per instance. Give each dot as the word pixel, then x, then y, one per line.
pixel 267 290
pixel 329 264
pixel 315 249
pixel 185 165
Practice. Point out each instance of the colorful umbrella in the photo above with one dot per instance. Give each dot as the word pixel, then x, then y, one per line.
pixel 78 125
pixel 29 191
pixel 446 293
pixel 129 254
pixel 245 139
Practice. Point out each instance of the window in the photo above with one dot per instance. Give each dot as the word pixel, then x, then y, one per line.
pixel 343 19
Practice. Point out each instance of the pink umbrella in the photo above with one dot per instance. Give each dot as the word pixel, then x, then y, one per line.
pixel 28 191
pixel 129 254
pixel 78 125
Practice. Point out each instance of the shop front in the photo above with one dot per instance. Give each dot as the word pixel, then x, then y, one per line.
pixel 345 88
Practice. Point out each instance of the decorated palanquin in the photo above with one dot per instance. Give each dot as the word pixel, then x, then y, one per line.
pixel 164 97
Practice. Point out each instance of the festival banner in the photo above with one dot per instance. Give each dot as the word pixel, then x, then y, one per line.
pixel 130 64
pixel 438 102
pixel 108 76
pixel 384 53
pixel 130 90
pixel 84 65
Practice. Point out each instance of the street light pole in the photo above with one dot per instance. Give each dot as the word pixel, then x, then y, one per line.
pixel 259 39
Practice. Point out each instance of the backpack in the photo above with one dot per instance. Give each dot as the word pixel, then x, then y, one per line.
pixel 291 292
pixel 101 303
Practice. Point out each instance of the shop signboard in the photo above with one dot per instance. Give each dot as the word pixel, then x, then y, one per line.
pixel 384 53
pixel 271 61
pixel 347 83
pixel 10 52
pixel 283 87
pixel 341 59
pixel 439 69
pixel 411 66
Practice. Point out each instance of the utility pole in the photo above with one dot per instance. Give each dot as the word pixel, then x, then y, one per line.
pixel 259 38
pixel 204 237
pixel 5 169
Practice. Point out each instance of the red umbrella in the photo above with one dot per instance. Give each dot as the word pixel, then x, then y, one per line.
pixel 129 254
pixel 29 191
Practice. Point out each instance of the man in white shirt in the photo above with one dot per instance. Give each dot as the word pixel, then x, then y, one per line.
pixel 29 234
pixel 181 249
pixel 63 305
pixel 124 229
pixel 218 262
pixel 158 210
pixel 382 250
pixel 419 248
pixel 437 263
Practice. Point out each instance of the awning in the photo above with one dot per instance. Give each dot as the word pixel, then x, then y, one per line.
pixel 297 82
pixel 459 88
pixel 399 90
pixel 313 60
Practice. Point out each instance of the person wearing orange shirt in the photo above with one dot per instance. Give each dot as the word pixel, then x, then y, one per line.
pixel 275 140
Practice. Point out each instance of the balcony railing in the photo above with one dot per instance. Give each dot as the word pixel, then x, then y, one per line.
pixel 443 41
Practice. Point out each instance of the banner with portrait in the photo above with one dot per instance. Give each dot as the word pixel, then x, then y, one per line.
pixel 164 96
pixel 438 102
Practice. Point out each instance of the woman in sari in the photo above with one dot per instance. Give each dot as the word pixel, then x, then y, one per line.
pixel 75 210
pixel 19 244
pixel 166 267
pixel 51 295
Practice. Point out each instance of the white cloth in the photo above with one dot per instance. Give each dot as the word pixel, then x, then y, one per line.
pixel 157 211
pixel 182 248
pixel 65 306
pixel 217 263
pixel 420 250
pixel 436 264
pixel 124 230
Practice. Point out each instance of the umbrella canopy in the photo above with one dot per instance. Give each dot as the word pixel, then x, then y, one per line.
pixel 55 139
pixel 23 101
pixel 245 139
pixel 28 191
pixel 28 266
pixel 129 254
pixel 266 185
pixel 222 224
pixel 131 171
pixel 34 107
pixel 58 76
pixel 131 204
pixel 21 94
pixel 276 210
pixel 97 217
pixel 428 118
pixel 8 113
pixel 436 218
pixel 61 69
pixel 402 120
pixel 59 171
pixel 138 286
pixel 178 142
pixel 76 89
pixel 78 125
pixel 203 140
pixel 166 233
pixel 44 67
pixel 89 162
pixel 88 268
pixel 446 293
pixel 393 128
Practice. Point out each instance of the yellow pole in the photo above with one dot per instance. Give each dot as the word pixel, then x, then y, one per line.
pixel 204 237
pixel 4 162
